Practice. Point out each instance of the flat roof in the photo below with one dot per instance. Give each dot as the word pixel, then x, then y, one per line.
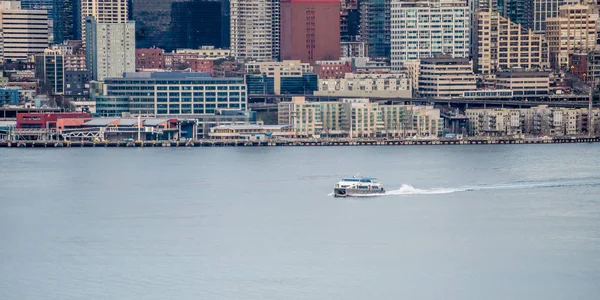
pixel 100 122
pixel 252 127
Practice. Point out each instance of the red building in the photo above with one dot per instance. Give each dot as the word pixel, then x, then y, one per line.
pixel 332 69
pixel 44 120
pixel 310 30
pixel 152 58
pixel 200 65
pixel 578 64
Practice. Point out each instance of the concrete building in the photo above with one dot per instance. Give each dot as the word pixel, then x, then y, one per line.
pixel 446 77
pixel 416 30
pixel 375 27
pixel 353 49
pixel 410 120
pixel 546 9
pixel 593 66
pixel 50 72
pixel 103 11
pixel 311 119
pixel 24 32
pixel 362 118
pixel 171 94
pixel 110 48
pixel 367 85
pixel 207 52
pixel 310 30
pixel 77 82
pixel 255 29
pixel 524 84
pixel 501 45
pixel 278 78
pixel 537 121
pixel 575 29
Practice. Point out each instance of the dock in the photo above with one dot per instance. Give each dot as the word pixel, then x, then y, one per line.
pixel 296 142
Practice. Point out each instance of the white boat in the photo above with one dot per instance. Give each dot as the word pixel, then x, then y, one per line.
pixel 358 186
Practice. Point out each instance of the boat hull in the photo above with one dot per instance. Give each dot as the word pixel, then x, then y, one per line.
pixel 350 192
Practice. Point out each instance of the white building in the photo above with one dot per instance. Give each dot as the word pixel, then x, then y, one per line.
pixel 104 11
pixel 110 48
pixel 446 77
pixel 255 29
pixel 421 28
pixel 367 85
pixel 22 32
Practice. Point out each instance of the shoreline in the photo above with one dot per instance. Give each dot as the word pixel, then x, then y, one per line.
pixel 301 142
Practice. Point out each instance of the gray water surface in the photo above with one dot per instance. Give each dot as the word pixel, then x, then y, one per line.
pixel 459 222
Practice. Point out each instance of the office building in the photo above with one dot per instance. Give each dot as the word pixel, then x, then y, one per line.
pixel 77 82
pixel 110 48
pixel 349 22
pixel 575 29
pixel 446 77
pixel 152 23
pixel 524 84
pixel 353 49
pixel 45 5
pixel 24 32
pixel 50 72
pixel 375 27
pixel 199 23
pixel 421 28
pixel 103 11
pixel 546 9
pixel 397 85
pixel 66 20
pixel 171 94
pixel 310 30
pixel 255 29
pixel 519 11
pixel 501 45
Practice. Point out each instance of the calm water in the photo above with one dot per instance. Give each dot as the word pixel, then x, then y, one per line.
pixel 460 222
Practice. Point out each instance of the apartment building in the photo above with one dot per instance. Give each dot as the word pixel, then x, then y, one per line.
pixel 501 44
pixel 255 29
pixel 575 29
pixel 375 27
pixel 362 118
pixel 411 120
pixel 423 27
pixel 23 32
pixel 311 118
pixel 446 77
pixel 539 121
pixel 103 11
pixel 544 10
pixel 110 48
pixel 367 85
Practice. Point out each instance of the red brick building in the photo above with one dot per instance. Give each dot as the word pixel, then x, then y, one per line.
pixel 332 69
pixel 578 64
pixel 200 65
pixel 310 30
pixel 44 120
pixel 152 58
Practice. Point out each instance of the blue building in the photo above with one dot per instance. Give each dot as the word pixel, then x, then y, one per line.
pixel 9 96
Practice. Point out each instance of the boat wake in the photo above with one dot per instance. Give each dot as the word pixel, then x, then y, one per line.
pixel 407 189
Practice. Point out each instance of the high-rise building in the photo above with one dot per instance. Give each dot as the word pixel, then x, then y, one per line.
pixel 110 48
pixel 67 23
pixel 50 71
pixel 103 11
pixel 501 45
pixel 545 9
pixel 200 23
pixel 254 29
pixel 23 32
pixel 310 30
pixel 375 27
pixel 575 29
pixel 445 77
pixel 349 21
pixel 152 23
pixel 519 11
pixel 421 28
pixel 47 5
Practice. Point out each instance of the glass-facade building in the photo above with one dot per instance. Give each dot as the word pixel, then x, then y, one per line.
pixel 375 27
pixel 172 24
pixel 261 84
pixel 171 94
pixel 67 23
